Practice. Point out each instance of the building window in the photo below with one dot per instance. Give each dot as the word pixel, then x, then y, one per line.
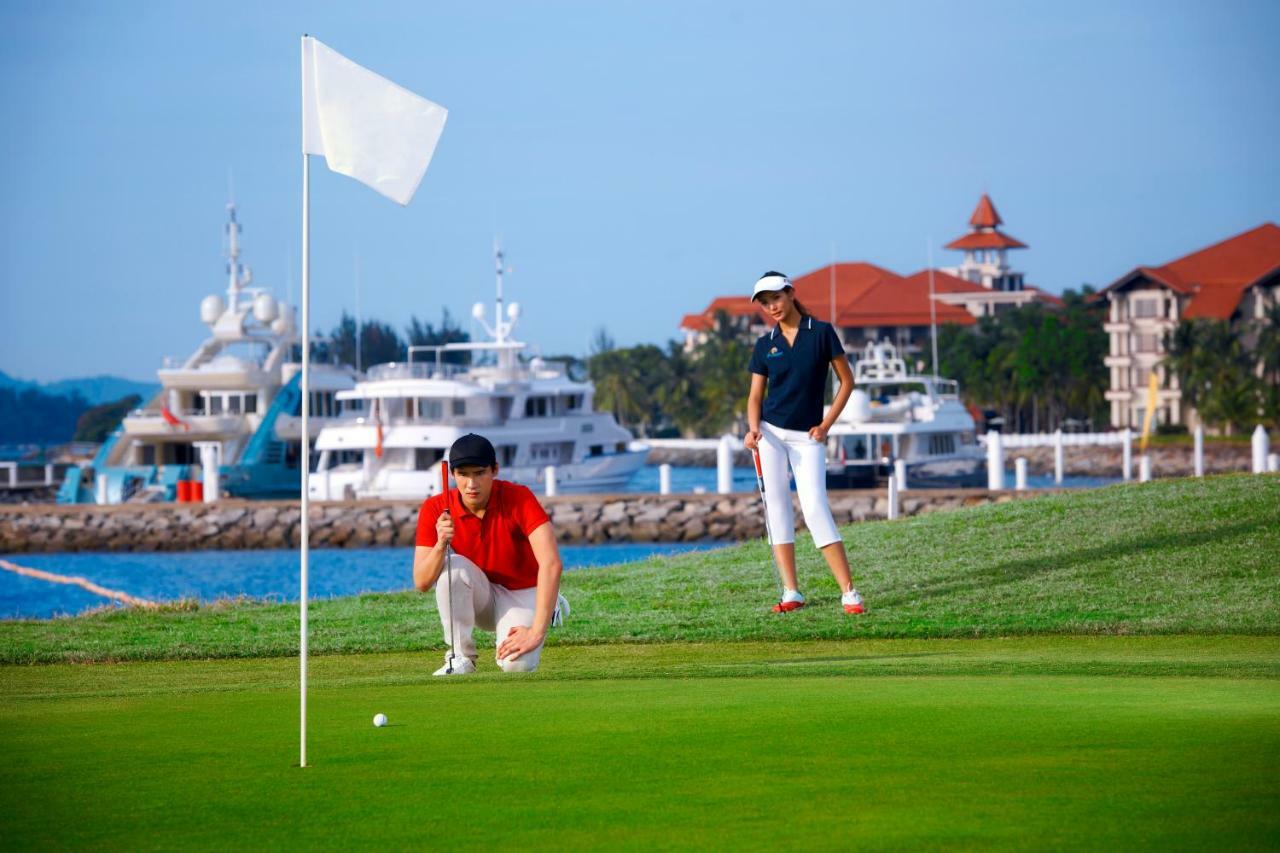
pixel 1146 343
pixel 459 408
pixel 1146 308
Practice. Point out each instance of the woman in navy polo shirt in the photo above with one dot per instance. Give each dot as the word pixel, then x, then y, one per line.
pixel 789 369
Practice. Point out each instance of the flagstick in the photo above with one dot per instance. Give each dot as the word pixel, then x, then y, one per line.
pixel 305 451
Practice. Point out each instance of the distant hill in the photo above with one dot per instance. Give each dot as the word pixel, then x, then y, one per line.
pixel 94 389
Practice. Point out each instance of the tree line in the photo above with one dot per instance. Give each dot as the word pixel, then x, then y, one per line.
pixel 380 343
pixel 1230 372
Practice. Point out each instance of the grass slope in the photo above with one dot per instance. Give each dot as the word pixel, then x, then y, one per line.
pixel 1003 743
pixel 1172 556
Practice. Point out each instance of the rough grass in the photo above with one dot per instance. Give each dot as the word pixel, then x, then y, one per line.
pixel 1191 556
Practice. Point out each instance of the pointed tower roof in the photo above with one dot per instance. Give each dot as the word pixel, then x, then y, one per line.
pixel 985 232
pixel 984 215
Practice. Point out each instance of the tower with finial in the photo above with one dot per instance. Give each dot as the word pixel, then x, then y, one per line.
pixel 986 251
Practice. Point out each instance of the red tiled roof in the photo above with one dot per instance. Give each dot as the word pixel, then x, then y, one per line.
pixel 986 240
pixel 901 302
pixel 736 306
pixel 852 280
pixel 1216 276
pixel 696 323
pixel 944 282
pixel 1047 298
pixel 984 215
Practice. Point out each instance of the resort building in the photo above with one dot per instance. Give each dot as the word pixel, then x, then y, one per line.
pixel 866 302
pixel 1236 280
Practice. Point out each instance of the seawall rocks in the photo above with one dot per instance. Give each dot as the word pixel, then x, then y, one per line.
pixel 234 525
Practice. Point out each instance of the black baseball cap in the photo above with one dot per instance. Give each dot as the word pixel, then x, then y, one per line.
pixel 474 450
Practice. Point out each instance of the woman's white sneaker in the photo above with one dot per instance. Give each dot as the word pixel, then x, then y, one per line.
pixel 791 600
pixel 456 665
pixel 852 602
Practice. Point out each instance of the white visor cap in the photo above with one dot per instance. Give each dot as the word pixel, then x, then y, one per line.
pixel 770 282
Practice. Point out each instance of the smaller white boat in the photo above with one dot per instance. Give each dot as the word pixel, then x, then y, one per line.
pixel 896 415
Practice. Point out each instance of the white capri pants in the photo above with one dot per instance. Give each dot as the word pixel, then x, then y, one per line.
pixel 477 601
pixel 808 460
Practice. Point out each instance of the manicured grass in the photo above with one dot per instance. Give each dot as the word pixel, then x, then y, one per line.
pixel 1006 743
pixel 1167 557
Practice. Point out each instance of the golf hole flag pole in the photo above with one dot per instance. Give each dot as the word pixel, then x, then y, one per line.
pixel 383 135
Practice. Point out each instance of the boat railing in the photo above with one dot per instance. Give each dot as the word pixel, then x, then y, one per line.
pixel 363 418
pixel 416 370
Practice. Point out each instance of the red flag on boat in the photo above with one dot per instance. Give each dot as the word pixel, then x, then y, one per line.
pixel 173 420
pixel 377 422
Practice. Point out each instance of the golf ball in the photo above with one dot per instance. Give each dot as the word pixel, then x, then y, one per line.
pixel 379 720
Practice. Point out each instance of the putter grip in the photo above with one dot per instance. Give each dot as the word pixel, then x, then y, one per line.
pixel 444 481
pixel 755 455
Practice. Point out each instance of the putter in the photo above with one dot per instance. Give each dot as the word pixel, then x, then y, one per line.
pixel 448 563
pixel 755 455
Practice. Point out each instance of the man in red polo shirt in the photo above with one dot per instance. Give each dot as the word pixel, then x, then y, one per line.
pixel 504 573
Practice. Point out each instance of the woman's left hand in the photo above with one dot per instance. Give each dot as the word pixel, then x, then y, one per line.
pixel 818 433
pixel 519 640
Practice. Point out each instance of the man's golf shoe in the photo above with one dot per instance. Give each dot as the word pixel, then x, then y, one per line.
pixel 852 602
pixel 791 600
pixel 456 665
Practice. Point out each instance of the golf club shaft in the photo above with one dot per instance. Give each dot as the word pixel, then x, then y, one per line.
pixel 448 562
pixel 768 532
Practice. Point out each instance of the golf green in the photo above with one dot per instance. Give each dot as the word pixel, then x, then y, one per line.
pixel 1096 742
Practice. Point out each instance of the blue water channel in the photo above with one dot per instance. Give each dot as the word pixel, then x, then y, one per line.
pixel 272 575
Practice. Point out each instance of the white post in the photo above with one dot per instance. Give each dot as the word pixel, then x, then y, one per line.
pixel 1059 458
pixel 664 479
pixel 893 498
pixel 210 458
pixel 1199 451
pixel 305 456
pixel 995 462
pixel 1126 463
pixel 1261 447
pixel 48 474
pixel 549 480
pixel 1020 473
pixel 100 488
pixel 1273 463
pixel 1144 468
pixel 724 465
pixel 900 473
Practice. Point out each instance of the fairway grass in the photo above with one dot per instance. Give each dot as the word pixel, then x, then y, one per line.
pixel 1192 556
pixel 1044 742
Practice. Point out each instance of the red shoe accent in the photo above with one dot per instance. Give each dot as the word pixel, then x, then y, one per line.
pixel 854 609
pixel 787 606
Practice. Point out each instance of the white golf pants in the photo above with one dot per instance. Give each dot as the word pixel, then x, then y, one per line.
pixel 808 459
pixel 478 602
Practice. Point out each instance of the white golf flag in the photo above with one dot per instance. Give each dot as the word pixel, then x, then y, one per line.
pixel 365 126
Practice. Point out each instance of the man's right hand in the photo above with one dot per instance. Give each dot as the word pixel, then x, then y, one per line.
pixel 751 440
pixel 444 528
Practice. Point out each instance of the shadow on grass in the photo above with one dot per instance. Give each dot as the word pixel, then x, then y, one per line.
pixel 846 659
pixel 1018 570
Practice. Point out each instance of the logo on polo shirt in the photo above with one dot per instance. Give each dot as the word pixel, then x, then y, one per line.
pixel 773 353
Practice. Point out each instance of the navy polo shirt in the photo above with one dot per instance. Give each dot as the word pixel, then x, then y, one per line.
pixel 797 373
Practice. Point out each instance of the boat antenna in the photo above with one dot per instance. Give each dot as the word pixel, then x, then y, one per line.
pixel 933 309
pixel 357 273
pixel 500 331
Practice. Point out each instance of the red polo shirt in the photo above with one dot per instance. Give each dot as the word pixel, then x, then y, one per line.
pixel 497 543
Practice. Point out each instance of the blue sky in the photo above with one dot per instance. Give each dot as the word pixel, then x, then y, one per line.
pixel 638 159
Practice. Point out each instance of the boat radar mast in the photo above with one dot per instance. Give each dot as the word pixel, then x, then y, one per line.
pixel 502 327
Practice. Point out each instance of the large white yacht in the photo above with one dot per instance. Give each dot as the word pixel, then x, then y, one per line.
pixel 399 422
pixel 239 390
pixel 894 415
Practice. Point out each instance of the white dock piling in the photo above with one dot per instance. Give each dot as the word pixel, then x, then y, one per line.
pixel 1261 447
pixel 1198 455
pixel 724 465
pixel 893 498
pixel 1144 468
pixel 1126 460
pixel 549 480
pixel 664 479
pixel 995 462
pixel 900 473
pixel 210 459
pixel 1020 473
pixel 1059 458
pixel 1273 463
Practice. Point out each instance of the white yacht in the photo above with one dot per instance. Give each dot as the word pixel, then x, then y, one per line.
pixel 893 415
pixel 399 422
pixel 240 391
